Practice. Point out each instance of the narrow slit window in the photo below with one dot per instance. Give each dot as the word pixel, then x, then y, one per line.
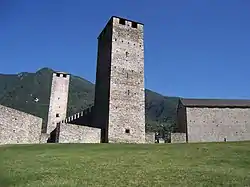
pixel 126 54
pixel 127 131
pixel 128 92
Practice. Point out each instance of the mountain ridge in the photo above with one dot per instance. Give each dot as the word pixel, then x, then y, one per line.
pixel 30 92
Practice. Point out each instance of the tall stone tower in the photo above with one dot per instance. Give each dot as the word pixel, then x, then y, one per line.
pixel 119 93
pixel 58 99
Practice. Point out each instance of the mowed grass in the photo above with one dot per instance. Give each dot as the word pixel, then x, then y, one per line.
pixel 94 165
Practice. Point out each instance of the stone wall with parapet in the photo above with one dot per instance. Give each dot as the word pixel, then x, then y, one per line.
pixel 71 133
pixel 18 127
pixel 150 137
pixel 178 137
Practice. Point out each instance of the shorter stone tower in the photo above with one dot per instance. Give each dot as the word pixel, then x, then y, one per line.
pixel 58 100
pixel 119 91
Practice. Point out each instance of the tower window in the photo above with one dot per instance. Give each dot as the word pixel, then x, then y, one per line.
pixel 126 54
pixel 58 74
pixel 127 75
pixel 64 75
pixel 127 131
pixel 57 115
pixel 122 21
pixel 128 92
pixel 134 25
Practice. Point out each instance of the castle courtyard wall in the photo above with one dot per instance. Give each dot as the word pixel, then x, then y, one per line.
pixel 218 124
pixel 71 133
pixel 18 127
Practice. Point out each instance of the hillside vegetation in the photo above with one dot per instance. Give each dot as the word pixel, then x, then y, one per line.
pixel 29 92
pixel 118 165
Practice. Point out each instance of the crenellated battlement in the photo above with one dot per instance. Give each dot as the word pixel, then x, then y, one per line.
pixel 81 118
pixel 123 22
pixel 61 74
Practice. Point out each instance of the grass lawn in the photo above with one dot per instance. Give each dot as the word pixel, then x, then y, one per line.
pixel 210 164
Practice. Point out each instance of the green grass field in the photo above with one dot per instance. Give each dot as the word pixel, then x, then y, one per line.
pixel 211 164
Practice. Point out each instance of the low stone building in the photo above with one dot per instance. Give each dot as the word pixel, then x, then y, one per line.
pixel 213 120
pixel 18 127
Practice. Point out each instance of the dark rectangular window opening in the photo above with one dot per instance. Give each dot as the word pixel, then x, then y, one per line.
pixel 64 75
pixel 58 74
pixel 57 115
pixel 134 25
pixel 127 131
pixel 128 92
pixel 122 21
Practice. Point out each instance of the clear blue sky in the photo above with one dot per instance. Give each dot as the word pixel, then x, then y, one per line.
pixel 194 48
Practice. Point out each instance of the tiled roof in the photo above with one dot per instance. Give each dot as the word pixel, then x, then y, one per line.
pixel 233 103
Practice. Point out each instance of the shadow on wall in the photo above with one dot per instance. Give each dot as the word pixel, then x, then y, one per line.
pixel 54 135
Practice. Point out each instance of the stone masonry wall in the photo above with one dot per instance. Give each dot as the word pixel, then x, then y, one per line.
pixel 178 137
pixel 218 124
pixel 17 127
pixel 127 93
pixel 120 93
pixel 150 137
pixel 58 100
pixel 71 133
